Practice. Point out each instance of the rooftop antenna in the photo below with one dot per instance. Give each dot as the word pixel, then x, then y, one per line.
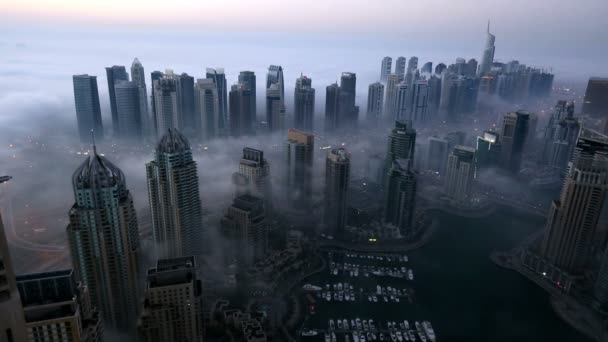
pixel 93 139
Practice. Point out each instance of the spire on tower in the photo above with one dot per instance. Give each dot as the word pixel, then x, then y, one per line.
pixel 93 140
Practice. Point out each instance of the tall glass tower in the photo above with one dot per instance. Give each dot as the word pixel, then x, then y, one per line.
pixel 174 198
pixel 104 239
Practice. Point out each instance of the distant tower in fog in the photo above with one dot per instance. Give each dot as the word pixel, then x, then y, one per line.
pixel 114 74
pixel 337 177
pixel 460 173
pixel 275 108
pixel 385 68
pixel 400 67
pixel 166 103
pixel 245 227
pixel 390 103
pixel 513 139
pixel 427 69
pixel 185 96
pixel 402 103
pixel 131 110
pixel 241 114
pixel 488 53
pixel 304 104
pixel 206 109
pixel 219 79
pixel 299 154
pixel 275 75
pixel 138 76
pixel 332 101
pixel 400 145
pixel 375 102
pixel 173 192
pixel 254 174
pixel 400 196
pixel 248 79
pixel 88 112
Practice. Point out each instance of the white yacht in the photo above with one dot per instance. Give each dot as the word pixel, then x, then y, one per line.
pixel 399 336
pixel 309 333
pixel 310 287
pixel 331 324
pixel 355 336
pixel 327 337
pixel 428 329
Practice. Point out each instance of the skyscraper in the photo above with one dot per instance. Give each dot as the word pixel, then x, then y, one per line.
pixel 437 154
pixel 375 102
pixel 57 308
pixel 559 111
pixel 596 98
pixel 564 139
pixel 487 151
pixel 332 95
pixel 348 112
pixel 402 103
pixel 427 69
pixel 219 79
pixel 104 239
pixel 400 67
pixel 167 113
pixel 129 111
pixel 138 76
pixel 247 78
pixel 185 96
pixel 244 226
pixel 420 103
pixel 241 113
pixel 390 110
pixel 572 222
pixel 400 145
pixel 337 177
pixel 88 112
pixel 172 308
pixel 488 54
pixel 460 173
pixel 600 290
pixel 12 322
pixel 304 104
pixel 513 139
pixel 255 170
pixel 299 150
pixel 114 74
pixel 206 109
pixel 385 68
pixel 275 108
pixel 275 75
pixel 412 67
pixel 439 69
pixel 400 197
pixel 175 202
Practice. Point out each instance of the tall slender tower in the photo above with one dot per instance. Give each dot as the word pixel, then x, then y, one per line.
pixel 420 103
pixel 172 308
pixel 167 113
pixel 573 219
pixel 138 76
pixel 247 78
pixel 390 110
pixel 337 177
pixel 206 109
pixel 299 150
pixel 175 203
pixel 385 68
pixel 185 96
pixel 400 197
pixel 241 114
pixel 332 106
pixel 130 113
pixel 348 111
pixel 275 108
pixel 88 112
pixel 219 79
pixel 513 139
pixel 275 75
pixel 400 145
pixel 400 67
pixel 375 102
pixel 460 173
pixel 104 239
pixel 114 74
pixel 402 103
pixel 488 53
pixel 304 104
pixel 12 322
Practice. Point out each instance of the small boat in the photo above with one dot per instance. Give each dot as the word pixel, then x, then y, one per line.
pixel 372 326
pixel 412 335
pixel 385 299
pixel 362 337
pixel 331 324
pixel 365 325
pixel 345 324
pixel 428 329
pixel 381 336
pixel 340 324
pixel 399 336
pixel 374 337
pixel 422 336
pixel 393 336
pixel 309 333
pixel 418 326
pixel 402 326
pixel 310 287
pixel 359 326
pixel 369 336
pixel 333 337
pixel 375 299
pixel 410 275
pixel 327 337
pixel 355 336
pixel 407 324
pixel 352 324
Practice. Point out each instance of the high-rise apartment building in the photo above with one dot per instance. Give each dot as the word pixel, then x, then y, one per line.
pixel 219 79
pixel 596 98
pixel 248 79
pixel 88 112
pixel 337 177
pixel 114 74
pixel 400 197
pixel 275 108
pixel 299 154
pixel 131 112
pixel 104 239
pixel 390 110
pixel 460 173
pixel 166 101
pixel 375 102
pixel 385 68
pixel 304 104
pixel 400 67
pixel 241 114
pixel 206 109
pixel 254 176
pixel 332 105
pixel 245 227
pixel 437 155
pixel 57 308
pixel 174 198
pixel 513 138
pixel 400 145
pixel 172 309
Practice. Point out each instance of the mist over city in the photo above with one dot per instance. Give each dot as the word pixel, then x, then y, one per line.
pixel 322 171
